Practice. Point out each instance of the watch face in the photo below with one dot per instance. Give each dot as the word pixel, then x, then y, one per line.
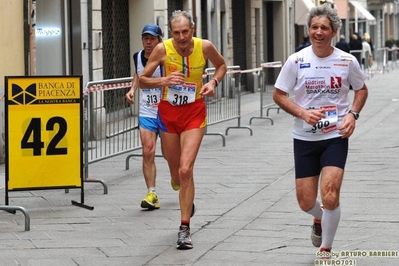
pixel 356 115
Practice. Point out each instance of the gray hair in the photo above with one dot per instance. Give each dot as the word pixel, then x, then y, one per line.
pixel 325 10
pixel 176 16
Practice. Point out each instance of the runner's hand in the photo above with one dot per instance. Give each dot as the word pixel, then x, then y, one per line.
pixel 208 89
pixel 130 96
pixel 312 116
pixel 175 78
pixel 347 126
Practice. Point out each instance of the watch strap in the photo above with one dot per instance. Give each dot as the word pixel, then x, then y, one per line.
pixel 355 114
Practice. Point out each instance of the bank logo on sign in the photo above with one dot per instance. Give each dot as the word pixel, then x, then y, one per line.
pixel 21 96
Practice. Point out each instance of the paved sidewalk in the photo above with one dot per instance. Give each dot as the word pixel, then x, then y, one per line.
pixel 247 212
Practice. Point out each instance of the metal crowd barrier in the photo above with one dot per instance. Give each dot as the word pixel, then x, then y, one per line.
pixel 266 91
pixel 393 55
pixel 14 209
pixel 385 59
pixel 382 60
pixel 110 126
pixel 226 103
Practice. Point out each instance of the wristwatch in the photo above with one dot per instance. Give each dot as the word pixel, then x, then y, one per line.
pixel 355 114
pixel 216 82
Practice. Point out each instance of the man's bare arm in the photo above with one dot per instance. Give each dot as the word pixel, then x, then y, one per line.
pixel 135 86
pixel 156 58
pixel 287 104
pixel 359 99
pixel 217 60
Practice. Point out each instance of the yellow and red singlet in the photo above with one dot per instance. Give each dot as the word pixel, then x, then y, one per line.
pixel 192 67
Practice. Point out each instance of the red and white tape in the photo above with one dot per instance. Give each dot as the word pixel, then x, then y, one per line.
pixel 103 87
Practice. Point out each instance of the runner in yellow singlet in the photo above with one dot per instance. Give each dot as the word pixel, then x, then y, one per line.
pixel 182 106
pixel 182 111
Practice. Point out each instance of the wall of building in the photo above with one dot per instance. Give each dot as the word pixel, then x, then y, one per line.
pixel 85 41
pixel 12 39
pixel 97 56
pixel 11 52
pixel 140 14
pixel 256 34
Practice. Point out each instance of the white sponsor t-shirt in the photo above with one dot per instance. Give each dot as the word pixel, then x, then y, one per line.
pixel 320 83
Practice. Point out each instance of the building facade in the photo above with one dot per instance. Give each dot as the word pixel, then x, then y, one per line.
pixel 88 37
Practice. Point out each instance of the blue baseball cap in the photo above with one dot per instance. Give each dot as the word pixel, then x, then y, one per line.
pixel 152 29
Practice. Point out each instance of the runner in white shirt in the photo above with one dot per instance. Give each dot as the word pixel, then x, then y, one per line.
pixel 321 82
pixel 149 100
pixel 320 76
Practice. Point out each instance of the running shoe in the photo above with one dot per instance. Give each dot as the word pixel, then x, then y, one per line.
pixel 150 201
pixel 316 233
pixel 175 186
pixel 184 238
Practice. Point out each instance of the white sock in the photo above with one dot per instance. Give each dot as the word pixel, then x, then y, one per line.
pixel 152 189
pixel 316 211
pixel 329 225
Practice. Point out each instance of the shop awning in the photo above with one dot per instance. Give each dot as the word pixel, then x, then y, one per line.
pixel 302 8
pixel 364 13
